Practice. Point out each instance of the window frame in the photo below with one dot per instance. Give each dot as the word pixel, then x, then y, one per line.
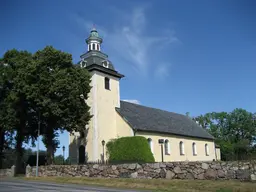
pixel 194 149
pixel 206 148
pixel 182 148
pixel 107 83
pixel 167 149
pixel 150 143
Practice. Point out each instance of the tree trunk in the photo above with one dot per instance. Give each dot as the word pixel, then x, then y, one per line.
pixel 50 155
pixel 2 141
pixel 49 146
pixel 19 152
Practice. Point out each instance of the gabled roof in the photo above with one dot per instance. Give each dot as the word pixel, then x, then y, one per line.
pixel 149 119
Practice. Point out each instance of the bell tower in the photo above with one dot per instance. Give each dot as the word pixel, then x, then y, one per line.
pixel 103 98
pixel 94 41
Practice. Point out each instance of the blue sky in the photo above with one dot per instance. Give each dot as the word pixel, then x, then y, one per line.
pixel 181 56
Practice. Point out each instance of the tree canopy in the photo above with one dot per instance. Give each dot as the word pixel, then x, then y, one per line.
pixel 46 88
pixel 235 132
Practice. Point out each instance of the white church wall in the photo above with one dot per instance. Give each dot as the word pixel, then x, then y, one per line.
pixel 174 143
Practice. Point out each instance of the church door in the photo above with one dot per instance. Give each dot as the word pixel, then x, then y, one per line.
pixel 81 154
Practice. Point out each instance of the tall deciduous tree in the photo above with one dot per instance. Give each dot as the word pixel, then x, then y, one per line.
pixel 44 87
pixel 242 131
pixel 6 113
pixel 55 91
pixel 16 106
pixel 235 132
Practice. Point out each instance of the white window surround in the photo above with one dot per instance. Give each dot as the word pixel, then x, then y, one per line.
pixel 167 147
pixel 206 150
pixel 150 142
pixel 105 63
pixel 194 149
pixel 182 148
pixel 107 83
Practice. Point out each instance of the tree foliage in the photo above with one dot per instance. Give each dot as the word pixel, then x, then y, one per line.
pixel 16 106
pixel 235 132
pixel 43 87
pixel 56 88
pixel 5 110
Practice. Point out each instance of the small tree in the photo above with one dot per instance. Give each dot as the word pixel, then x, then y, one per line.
pixel 129 149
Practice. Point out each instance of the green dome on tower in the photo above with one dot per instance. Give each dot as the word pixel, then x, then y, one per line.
pixel 94 35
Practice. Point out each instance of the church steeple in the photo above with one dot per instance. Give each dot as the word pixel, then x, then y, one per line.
pixel 103 99
pixel 95 59
pixel 94 41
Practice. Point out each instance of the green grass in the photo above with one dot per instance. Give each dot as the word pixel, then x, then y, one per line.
pixel 158 184
pixel 224 190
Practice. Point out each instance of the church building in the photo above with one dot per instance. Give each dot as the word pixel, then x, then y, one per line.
pixel 182 139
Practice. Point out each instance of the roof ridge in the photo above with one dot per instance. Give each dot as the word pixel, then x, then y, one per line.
pixel 152 108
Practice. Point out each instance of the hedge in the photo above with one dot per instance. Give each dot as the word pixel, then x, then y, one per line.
pixel 129 150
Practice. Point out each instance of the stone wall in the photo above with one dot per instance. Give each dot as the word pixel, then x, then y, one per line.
pixel 7 172
pixel 176 170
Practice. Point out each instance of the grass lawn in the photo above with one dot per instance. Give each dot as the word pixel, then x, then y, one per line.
pixel 158 185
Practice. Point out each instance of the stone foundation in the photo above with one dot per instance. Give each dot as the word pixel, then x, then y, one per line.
pixel 245 171
pixel 7 172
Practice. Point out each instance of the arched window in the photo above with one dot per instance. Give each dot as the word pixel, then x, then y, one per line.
pixel 81 154
pixel 150 143
pixel 182 149
pixel 107 86
pixel 194 149
pixel 206 150
pixel 93 46
pixel 167 147
pixel 98 47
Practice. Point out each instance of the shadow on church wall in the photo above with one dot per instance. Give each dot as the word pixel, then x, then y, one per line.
pixel 77 149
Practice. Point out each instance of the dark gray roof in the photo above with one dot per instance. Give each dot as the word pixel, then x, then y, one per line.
pixel 104 70
pixel 93 60
pixel 155 120
pixel 96 57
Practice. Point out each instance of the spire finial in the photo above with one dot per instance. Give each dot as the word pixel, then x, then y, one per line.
pixel 93 27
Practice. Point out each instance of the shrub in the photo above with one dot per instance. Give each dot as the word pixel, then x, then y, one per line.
pixel 129 149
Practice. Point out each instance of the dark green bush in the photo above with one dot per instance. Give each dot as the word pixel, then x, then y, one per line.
pixel 129 150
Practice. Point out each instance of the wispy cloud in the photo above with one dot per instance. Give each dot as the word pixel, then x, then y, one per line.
pixel 132 101
pixel 135 44
pixel 132 42
pixel 162 71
